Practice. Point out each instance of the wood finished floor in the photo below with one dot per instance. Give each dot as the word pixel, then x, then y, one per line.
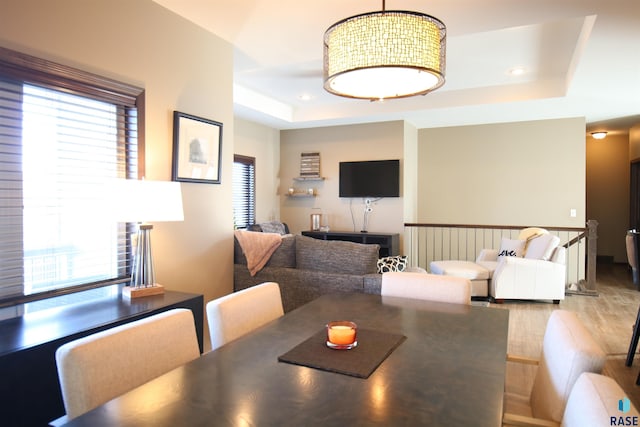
pixel 609 316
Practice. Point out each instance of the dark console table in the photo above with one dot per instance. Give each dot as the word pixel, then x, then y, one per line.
pixel 389 243
pixel 29 388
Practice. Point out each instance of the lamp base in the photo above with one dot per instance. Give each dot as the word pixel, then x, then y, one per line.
pixel 132 292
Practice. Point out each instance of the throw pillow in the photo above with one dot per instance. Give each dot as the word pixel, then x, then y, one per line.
pixel 542 247
pixel 511 247
pixel 392 263
pixel 272 227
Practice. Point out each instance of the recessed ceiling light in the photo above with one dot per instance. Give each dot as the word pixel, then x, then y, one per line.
pixel 516 71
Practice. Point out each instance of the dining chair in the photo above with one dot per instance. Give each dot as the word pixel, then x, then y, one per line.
pixel 94 369
pixel 234 315
pixel 431 287
pixel 594 400
pixel 568 350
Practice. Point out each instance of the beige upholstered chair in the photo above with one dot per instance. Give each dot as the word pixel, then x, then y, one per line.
pixel 430 287
pixel 593 401
pixel 231 316
pixel 568 350
pixel 95 369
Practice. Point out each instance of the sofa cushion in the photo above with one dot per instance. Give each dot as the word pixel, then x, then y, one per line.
pixel 335 256
pixel 542 247
pixel 284 256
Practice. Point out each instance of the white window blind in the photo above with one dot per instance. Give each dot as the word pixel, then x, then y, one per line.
pixel 244 198
pixel 62 138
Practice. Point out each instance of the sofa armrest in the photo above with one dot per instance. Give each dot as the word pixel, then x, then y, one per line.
pixel 522 278
pixel 487 255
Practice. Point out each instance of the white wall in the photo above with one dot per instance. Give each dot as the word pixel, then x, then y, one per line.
pixel 181 67
pixel 375 141
pixel 262 143
pixel 525 173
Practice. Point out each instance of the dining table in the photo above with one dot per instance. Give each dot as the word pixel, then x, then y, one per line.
pixel 416 363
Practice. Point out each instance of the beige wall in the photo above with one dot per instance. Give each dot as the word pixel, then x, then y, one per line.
pixel 376 141
pixel 262 143
pixel 181 67
pixel 525 173
pixel 608 192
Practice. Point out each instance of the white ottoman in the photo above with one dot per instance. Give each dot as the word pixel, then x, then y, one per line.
pixel 477 274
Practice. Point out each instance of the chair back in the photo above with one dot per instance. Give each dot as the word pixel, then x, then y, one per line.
pixel 568 350
pixel 431 287
pixel 234 315
pixel 594 401
pixel 93 370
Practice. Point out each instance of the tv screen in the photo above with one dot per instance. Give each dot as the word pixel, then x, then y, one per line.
pixel 374 178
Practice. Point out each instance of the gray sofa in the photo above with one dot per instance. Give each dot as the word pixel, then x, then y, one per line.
pixel 306 268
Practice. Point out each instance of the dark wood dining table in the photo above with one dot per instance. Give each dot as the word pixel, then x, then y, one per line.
pixel 449 371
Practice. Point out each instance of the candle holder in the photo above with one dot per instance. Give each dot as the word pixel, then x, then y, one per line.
pixel 341 335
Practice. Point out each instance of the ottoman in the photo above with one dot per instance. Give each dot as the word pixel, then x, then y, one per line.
pixel 478 275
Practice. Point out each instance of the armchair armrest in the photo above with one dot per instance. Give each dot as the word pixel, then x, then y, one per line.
pixel 487 255
pixel 520 420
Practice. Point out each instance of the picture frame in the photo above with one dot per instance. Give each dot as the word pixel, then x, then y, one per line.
pixel 197 149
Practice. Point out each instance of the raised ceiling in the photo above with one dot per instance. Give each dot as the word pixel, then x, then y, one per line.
pixel 580 58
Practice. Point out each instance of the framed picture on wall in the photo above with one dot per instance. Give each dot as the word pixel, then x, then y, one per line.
pixel 197 149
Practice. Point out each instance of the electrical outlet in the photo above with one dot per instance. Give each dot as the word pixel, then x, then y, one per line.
pixel 573 213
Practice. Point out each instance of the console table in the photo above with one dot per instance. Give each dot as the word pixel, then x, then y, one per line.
pixel 389 243
pixel 29 378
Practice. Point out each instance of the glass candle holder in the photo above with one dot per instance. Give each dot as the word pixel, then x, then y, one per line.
pixel 342 334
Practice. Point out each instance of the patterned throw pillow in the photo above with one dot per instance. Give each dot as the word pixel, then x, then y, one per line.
pixel 392 263
pixel 509 247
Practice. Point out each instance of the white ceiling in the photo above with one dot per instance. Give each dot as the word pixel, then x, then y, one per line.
pixel 581 59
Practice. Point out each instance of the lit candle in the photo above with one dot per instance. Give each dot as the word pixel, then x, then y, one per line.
pixel 341 334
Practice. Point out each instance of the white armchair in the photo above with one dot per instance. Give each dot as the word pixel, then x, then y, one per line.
pixel 539 274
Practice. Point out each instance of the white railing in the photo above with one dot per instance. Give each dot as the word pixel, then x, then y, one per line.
pixel 431 242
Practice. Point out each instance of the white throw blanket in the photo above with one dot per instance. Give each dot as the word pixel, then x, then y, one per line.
pixel 257 247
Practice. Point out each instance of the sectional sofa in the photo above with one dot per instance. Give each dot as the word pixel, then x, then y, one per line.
pixel 306 268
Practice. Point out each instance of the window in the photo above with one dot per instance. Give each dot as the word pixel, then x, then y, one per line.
pixel 244 191
pixel 64 134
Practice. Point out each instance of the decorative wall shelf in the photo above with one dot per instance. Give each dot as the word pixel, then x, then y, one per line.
pixel 295 192
pixel 309 178
pixel 301 194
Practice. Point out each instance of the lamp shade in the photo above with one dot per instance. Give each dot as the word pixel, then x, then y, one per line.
pixel 147 201
pixel 385 54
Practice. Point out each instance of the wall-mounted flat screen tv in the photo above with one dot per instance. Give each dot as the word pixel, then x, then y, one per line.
pixel 373 178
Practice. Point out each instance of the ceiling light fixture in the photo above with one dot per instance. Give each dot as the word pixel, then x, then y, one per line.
pixel 599 135
pixel 385 54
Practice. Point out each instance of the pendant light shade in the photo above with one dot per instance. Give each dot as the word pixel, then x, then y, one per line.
pixel 386 54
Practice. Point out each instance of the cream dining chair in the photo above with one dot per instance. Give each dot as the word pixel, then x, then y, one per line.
pixel 568 350
pixel 593 401
pixel 234 315
pixel 431 287
pixel 94 369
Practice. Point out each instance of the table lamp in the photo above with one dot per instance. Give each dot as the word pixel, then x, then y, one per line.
pixel 143 201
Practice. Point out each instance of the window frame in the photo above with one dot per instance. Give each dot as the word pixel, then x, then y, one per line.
pixel 30 69
pixel 251 161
